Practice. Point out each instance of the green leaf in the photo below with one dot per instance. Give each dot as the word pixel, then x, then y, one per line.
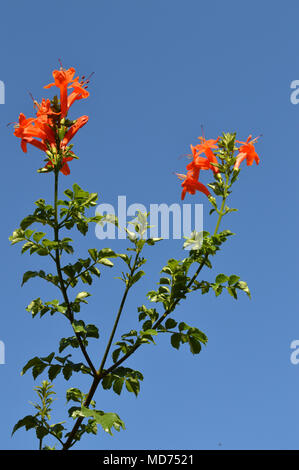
pixel 41 432
pixel 197 334
pixel 67 371
pixel 78 326
pixel 183 326
pixel 175 340
pixel 118 385
pixel 92 331
pixel 233 279
pixel 48 358
pixel 244 287
pixel 132 385
pixel 170 323
pixel 17 236
pixel 93 253
pixel 35 361
pixel 221 278
pixel 70 341
pixel 38 369
pixel 136 277
pixel 57 429
pixel 28 421
pixel 106 420
pixel 106 262
pixel 115 354
pixel 53 371
pixel 106 253
pixel 74 394
pixel 107 382
pixel 38 236
pixel 165 280
pixel 152 241
pixel 82 295
pixel 195 346
pixel 149 332
pixel 232 292
pixel 28 275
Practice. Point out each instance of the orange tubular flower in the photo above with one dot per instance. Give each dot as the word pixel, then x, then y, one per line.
pixel 78 93
pixel 22 125
pixel 200 163
pixel 247 151
pixel 34 142
pixel 49 131
pixel 206 147
pixel 40 130
pixel 73 130
pixel 191 185
pixel 33 127
pixel 62 79
pixel 44 111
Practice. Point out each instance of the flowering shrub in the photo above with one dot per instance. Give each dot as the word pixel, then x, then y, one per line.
pixel 51 131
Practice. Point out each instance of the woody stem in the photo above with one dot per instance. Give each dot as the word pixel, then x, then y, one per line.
pixel 101 373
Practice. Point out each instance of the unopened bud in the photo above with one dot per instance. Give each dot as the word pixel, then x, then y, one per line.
pixel 61 133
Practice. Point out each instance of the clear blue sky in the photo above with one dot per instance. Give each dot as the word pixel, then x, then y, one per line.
pixel 161 70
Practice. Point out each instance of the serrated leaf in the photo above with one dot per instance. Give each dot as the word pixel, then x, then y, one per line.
pixel 53 371
pixel 28 421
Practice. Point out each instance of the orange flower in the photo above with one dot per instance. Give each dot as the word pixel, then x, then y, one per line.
pixel 191 185
pixel 62 79
pixel 44 111
pixel 22 125
pixel 78 93
pixel 200 163
pixel 206 147
pixel 47 133
pixel 34 142
pixel 73 130
pixel 247 151
pixel 26 129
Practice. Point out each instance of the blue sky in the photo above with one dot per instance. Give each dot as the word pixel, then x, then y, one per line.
pixel 161 70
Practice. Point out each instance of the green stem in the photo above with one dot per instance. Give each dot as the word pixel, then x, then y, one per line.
pixel 118 316
pixel 61 280
pixel 221 213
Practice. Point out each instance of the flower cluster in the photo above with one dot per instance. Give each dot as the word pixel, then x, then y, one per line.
pixel 204 158
pixel 51 131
